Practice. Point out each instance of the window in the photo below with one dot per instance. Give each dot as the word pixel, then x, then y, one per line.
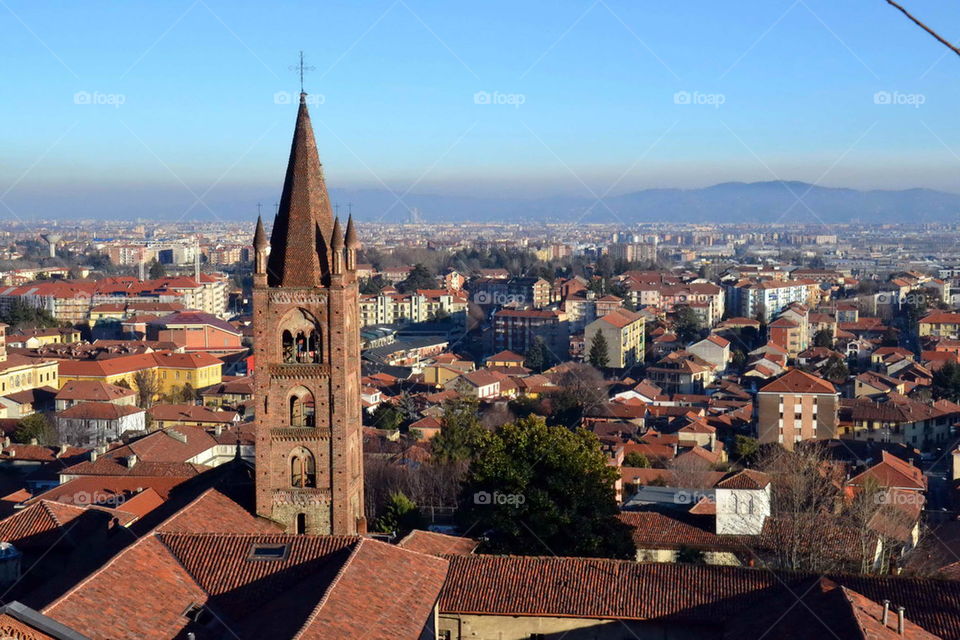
pixel 300 527
pixel 303 468
pixel 262 551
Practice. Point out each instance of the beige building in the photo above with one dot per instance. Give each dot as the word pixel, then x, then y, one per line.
pixel 623 331
pixel 795 407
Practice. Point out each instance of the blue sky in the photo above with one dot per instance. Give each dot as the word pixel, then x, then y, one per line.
pixel 598 81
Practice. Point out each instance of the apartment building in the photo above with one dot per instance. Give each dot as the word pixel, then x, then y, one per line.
pixel 795 407
pixel 389 306
pixel 623 332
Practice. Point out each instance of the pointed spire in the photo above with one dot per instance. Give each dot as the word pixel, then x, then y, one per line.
pixel 304 207
pixel 259 236
pixel 337 242
pixel 352 241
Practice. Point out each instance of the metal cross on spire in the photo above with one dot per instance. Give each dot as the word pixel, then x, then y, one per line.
pixel 301 68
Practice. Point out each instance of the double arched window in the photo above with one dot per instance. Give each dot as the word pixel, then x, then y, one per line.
pixel 301 340
pixel 303 468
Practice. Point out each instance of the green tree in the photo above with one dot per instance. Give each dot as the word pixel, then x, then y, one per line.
pixel 418 278
pixel 599 352
pixel 537 490
pixel 636 459
pixel 536 357
pixel 400 515
pixel 372 285
pixel 35 426
pixel 946 381
pixel 746 448
pixel 22 314
pixel 835 369
pixel 823 338
pixel 686 324
pixel 388 417
pixel 157 270
pixel 461 429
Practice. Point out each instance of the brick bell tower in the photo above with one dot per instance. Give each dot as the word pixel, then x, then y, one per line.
pixel 307 347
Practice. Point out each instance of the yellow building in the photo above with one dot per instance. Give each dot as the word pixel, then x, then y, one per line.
pixel 172 370
pixel 20 373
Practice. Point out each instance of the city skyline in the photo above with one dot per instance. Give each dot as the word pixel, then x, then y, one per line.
pixel 588 100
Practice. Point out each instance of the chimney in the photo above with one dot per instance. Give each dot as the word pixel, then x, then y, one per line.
pixel 6 441
pixel 900 611
pixel 131 460
pixel 33 441
pixel 886 612
pixel 93 455
pixel 217 430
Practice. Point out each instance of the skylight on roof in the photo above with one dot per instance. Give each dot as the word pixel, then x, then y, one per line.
pixel 261 551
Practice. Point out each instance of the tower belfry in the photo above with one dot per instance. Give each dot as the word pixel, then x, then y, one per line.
pixel 307 352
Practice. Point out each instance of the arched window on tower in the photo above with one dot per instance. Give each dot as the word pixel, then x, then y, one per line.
pixel 287 347
pixel 301 338
pixel 301 408
pixel 303 468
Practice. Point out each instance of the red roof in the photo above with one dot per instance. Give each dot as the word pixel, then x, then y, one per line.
pixel 437 544
pixel 797 381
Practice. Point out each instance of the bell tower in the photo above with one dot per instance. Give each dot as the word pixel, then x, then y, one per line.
pixel 309 460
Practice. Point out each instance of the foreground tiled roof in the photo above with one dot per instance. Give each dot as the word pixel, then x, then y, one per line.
pixel 626 590
pixel 320 587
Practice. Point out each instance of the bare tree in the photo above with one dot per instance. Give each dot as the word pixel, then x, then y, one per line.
pixel 147 387
pixel 807 530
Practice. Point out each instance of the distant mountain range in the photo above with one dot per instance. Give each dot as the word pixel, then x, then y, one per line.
pixel 729 202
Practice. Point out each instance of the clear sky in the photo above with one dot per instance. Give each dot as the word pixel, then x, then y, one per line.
pixel 619 95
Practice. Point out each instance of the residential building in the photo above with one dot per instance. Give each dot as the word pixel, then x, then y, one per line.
pixel 795 407
pixel 623 332
pixel 517 329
